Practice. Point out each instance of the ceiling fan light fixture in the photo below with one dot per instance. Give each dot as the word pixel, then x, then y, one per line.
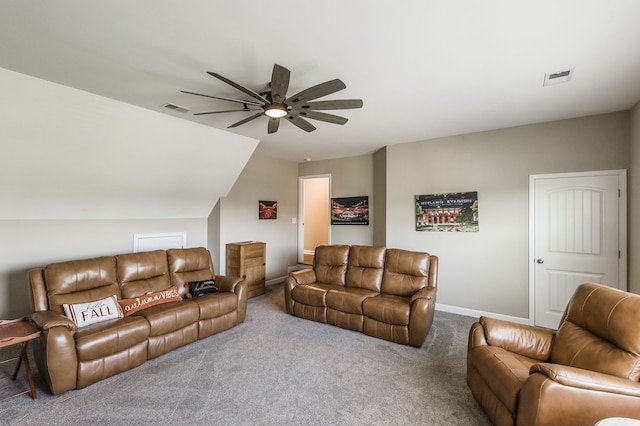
pixel 276 111
pixel 273 102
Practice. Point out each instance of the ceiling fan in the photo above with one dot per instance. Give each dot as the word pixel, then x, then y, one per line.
pixel 273 102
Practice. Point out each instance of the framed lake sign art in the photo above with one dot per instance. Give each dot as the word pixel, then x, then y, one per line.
pixel 452 212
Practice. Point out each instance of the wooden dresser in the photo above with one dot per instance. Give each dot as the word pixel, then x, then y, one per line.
pixel 247 259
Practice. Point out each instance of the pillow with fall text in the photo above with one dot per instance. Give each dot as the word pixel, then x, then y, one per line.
pixel 83 314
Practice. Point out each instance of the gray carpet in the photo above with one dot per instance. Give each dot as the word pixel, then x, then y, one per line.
pixel 275 369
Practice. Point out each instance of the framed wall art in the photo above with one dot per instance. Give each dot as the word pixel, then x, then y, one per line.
pixel 267 210
pixel 350 211
pixel 452 212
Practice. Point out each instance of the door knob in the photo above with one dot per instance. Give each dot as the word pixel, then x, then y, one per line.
pixel 540 261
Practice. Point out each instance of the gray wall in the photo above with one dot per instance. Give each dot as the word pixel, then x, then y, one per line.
pixel 263 178
pixel 350 177
pixel 379 205
pixel 28 244
pixel 487 271
pixel 80 174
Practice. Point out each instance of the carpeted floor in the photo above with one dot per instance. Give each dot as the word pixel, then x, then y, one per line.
pixel 275 369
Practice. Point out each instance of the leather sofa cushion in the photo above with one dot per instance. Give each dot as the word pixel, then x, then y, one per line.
pixel 365 268
pixel 312 294
pixel 607 313
pixel 389 309
pixel 169 317
pixel 405 272
pixel 215 305
pixel 193 264
pixel 348 300
pixel 503 371
pixel 330 264
pixel 80 281
pixel 142 273
pixel 110 337
pixel 532 342
pixel 598 333
pixel 576 347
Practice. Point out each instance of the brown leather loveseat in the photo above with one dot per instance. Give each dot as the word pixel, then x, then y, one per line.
pixel 384 293
pixel 586 371
pixel 70 357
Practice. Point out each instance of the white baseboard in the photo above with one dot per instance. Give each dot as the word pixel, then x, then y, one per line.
pixel 477 314
pixel 274 281
pixel 290 269
pixel 297 267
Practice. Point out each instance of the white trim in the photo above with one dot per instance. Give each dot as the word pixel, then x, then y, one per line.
pixel 477 314
pixel 274 281
pixel 622 230
pixel 160 241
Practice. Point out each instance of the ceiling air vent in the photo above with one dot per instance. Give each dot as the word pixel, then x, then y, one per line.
pixel 175 107
pixel 558 77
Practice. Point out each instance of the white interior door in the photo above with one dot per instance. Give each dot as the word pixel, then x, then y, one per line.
pixel 579 235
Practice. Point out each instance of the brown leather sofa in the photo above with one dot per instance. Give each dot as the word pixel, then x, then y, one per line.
pixel 586 371
pixel 384 293
pixel 69 357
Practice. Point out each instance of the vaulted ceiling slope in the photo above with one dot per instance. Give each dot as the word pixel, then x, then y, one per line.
pixel 424 68
pixel 69 154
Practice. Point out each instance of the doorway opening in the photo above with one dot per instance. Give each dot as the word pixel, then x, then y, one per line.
pixel 313 215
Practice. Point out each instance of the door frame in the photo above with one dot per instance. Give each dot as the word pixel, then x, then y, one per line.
pixel 622 227
pixel 300 220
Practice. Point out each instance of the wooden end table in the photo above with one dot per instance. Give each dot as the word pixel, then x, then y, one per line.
pixel 13 332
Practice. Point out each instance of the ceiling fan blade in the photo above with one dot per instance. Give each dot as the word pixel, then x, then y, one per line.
pixel 279 83
pixel 317 91
pixel 239 87
pixel 246 120
pixel 220 112
pixel 273 125
pixel 329 118
pixel 337 104
pixel 301 123
pixel 223 99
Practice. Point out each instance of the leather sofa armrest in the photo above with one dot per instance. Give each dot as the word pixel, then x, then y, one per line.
pixel 227 283
pixel 296 278
pixel 587 379
pixel 554 393
pixel 55 350
pixel 428 293
pixel 238 286
pixel 522 339
pixel 303 276
pixel 46 320
pixel 423 304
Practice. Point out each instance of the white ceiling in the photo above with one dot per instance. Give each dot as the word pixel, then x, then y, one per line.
pixel 423 68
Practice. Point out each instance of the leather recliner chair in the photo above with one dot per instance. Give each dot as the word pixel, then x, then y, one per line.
pixel 587 370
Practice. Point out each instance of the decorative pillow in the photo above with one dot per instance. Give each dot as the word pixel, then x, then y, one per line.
pixel 130 306
pixel 83 314
pixel 198 288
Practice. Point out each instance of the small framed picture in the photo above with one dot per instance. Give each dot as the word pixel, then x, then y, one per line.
pixel 267 210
